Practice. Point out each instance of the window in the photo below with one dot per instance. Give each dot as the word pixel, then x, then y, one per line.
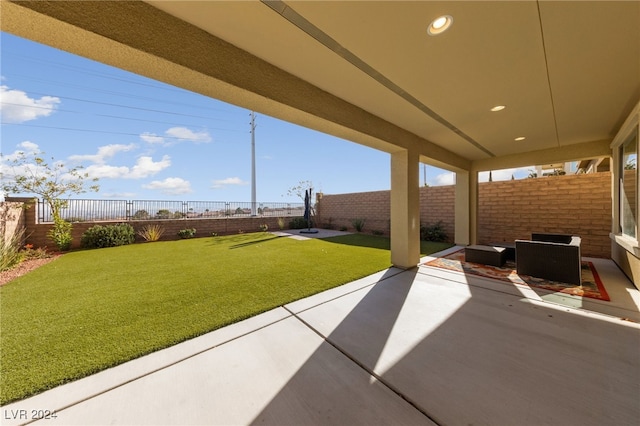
pixel 629 186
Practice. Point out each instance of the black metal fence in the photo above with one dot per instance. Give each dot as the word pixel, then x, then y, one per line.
pixel 126 210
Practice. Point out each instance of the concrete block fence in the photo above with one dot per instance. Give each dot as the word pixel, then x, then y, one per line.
pixel 37 233
pixel 507 210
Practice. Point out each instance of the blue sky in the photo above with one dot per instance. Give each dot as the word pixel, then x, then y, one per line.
pixel 147 140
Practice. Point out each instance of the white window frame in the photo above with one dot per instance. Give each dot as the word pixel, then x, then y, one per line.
pixel 631 125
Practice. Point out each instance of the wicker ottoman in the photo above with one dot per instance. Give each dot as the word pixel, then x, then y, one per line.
pixel 486 255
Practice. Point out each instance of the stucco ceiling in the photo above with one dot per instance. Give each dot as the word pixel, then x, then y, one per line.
pixel 567 72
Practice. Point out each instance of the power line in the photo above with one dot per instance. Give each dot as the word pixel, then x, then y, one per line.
pixel 111 92
pixel 124 106
pixel 87 71
pixel 95 130
pixel 111 116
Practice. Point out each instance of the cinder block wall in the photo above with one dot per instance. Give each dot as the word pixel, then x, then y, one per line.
pixel 508 210
pixel 339 211
pixel 37 233
pixel 574 204
pixel 437 204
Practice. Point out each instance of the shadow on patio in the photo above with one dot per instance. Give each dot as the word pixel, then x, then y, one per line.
pixel 462 351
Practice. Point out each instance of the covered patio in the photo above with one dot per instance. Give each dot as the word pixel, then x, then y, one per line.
pixel 416 346
pixel 508 84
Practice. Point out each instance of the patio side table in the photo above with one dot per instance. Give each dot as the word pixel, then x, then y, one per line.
pixel 511 248
pixel 485 255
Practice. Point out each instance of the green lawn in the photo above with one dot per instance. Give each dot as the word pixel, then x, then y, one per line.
pixel 90 310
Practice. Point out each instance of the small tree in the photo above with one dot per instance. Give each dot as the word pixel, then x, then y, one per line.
pixel 300 189
pixel 31 173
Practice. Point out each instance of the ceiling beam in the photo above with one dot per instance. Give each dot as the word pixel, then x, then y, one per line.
pixel 575 152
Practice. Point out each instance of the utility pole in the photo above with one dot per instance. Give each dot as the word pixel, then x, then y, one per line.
pixel 424 174
pixel 253 164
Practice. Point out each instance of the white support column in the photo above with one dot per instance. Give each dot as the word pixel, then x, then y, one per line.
pixel 405 209
pixel 466 208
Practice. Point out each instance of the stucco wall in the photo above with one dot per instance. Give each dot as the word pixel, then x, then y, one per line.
pixel 507 210
pixel 12 219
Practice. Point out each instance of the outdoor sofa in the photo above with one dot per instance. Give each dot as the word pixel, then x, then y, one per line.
pixel 551 256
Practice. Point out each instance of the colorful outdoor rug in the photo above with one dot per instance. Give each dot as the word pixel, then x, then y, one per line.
pixel 591 285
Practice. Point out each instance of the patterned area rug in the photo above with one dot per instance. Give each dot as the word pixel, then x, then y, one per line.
pixel 591 284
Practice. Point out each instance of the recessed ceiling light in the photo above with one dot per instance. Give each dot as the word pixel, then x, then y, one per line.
pixel 498 108
pixel 440 25
pixel 520 138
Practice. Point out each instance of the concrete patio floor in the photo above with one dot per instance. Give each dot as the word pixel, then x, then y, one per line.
pixel 423 346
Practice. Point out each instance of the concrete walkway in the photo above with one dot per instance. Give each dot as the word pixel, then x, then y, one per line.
pixel 399 347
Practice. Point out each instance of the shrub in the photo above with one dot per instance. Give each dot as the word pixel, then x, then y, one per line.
pixel 99 236
pixel 60 234
pixel 187 233
pixel 10 251
pixel 358 224
pixel 433 232
pixel 281 223
pixel 151 232
pixel 264 227
pixel 298 223
pixel 30 253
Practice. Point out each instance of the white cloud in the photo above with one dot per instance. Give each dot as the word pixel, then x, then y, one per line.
pixel 185 134
pixel 170 186
pixel 17 107
pixel 102 171
pixel 152 138
pixel 144 167
pixel 25 164
pixel 104 152
pixel 176 135
pixel 221 183
pixel 9 170
pixel 448 178
pixel 29 146
pixel 118 195
pixel 26 147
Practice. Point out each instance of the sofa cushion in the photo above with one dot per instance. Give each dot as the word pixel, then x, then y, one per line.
pixel 552 238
